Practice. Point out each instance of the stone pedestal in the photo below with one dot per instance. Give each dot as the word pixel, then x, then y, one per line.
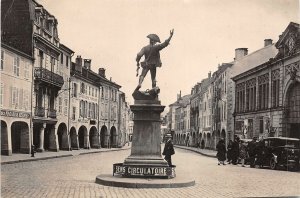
pixel 146 138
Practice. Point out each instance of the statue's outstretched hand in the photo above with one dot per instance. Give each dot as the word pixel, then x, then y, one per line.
pixel 171 32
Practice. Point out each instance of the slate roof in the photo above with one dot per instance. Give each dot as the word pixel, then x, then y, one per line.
pixel 254 59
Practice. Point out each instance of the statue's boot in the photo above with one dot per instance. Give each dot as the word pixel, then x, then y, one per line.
pixel 153 83
pixel 137 88
pixel 141 79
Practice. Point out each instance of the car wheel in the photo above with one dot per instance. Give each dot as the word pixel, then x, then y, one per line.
pixel 273 164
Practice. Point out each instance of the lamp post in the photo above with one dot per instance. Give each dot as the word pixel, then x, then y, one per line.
pixel 69 101
pixel 69 143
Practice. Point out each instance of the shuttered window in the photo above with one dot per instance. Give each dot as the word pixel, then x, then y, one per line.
pixel 1 94
pixel 16 66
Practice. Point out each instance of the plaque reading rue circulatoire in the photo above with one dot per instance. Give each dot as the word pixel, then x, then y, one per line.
pixel 143 171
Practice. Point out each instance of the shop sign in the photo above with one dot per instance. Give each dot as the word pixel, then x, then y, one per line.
pixel 83 120
pixel 17 114
pixel 143 171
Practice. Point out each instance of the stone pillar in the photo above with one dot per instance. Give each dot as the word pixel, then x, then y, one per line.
pixel 9 143
pixel 42 135
pixel 77 142
pixel 99 140
pixel 86 141
pixel 146 138
pixel 53 140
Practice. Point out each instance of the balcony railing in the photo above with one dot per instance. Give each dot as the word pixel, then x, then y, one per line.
pixel 39 111
pixel 49 77
pixel 52 113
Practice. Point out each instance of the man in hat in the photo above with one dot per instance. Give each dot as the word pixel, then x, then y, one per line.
pixel 168 149
pixel 152 58
pixel 251 151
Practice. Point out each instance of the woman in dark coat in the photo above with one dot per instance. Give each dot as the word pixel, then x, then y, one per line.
pixel 221 148
pixel 229 152
pixel 235 151
pixel 168 150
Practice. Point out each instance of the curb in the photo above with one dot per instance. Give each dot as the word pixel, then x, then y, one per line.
pixel 36 159
pixel 119 181
pixel 59 156
pixel 196 151
pixel 93 152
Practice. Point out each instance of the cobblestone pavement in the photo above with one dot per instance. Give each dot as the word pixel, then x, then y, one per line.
pixel 75 177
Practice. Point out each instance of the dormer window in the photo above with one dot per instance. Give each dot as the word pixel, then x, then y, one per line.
pixel 48 26
pixel 37 18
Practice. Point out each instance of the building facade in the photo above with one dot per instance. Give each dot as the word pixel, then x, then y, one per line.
pixel 206 111
pixel 267 95
pixel 15 100
pixel 109 111
pixel 46 100
pixel 220 104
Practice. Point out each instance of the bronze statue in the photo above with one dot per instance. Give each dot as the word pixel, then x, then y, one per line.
pixel 152 58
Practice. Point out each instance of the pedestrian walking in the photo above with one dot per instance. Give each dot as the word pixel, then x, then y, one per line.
pixel 198 143
pixel 32 150
pixel 202 144
pixel 168 150
pixel 251 152
pixel 221 152
pixel 243 152
pixel 188 141
pixel 229 152
pixel 235 150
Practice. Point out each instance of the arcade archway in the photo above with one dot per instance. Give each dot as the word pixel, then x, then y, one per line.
pixel 62 137
pixel 4 139
pixel 82 137
pixel 19 137
pixel 113 137
pixel 93 135
pixel 103 134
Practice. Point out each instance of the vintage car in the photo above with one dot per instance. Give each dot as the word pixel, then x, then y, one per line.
pixel 281 152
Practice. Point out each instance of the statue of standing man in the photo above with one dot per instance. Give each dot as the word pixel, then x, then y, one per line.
pixel 152 58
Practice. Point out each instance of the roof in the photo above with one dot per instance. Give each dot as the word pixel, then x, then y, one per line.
pixel 282 138
pixel 183 101
pixel 254 59
pixel 62 46
pixel 286 32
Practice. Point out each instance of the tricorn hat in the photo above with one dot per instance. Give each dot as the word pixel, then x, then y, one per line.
pixel 153 37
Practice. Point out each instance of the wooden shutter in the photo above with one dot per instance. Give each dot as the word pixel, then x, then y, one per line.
pixel 20 97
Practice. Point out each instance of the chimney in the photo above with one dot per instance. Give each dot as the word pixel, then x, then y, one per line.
pixel 79 61
pixel 101 72
pixel 240 52
pixel 78 64
pixel 87 64
pixel 268 42
pixel 209 74
pixel 179 96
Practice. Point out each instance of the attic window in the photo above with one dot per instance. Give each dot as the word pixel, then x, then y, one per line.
pixel 48 25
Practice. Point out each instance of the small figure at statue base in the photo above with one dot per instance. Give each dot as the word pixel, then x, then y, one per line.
pixel 151 94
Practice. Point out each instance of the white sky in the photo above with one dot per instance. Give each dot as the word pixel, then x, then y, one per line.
pixel 111 32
